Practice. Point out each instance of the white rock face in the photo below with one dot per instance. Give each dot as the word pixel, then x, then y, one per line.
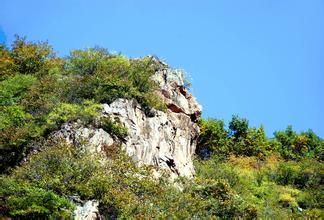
pixel 166 140
pixel 88 211
pixel 172 89
pixel 92 139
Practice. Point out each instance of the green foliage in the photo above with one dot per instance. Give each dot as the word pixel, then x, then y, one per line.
pixel 13 89
pixel 238 127
pixel 273 187
pixel 296 146
pixel 44 95
pixel 269 188
pixel 86 62
pixel 30 58
pixel 240 139
pixel 113 127
pixel 220 198
pixel 66 112
pixel 213 138
pixel 304 174
pixel 123 189
pixel 13 116
pixel 23 200
pixel 253 144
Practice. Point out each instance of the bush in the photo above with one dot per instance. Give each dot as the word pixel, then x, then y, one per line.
pixel 12 90
pixel 220 200
pixel 253 144
pixel 66 112
pixel 7 65
pixel 86 62
pixel 305 174
pixel 24 201
pixel 213 138
pixel 44 95
pixel 294 146
pixel 30 58
pixel 13 116
pixel 113 127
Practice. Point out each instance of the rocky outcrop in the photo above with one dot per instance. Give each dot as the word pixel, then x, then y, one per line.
pixel 174 92
pixel 87 210
pixel 166 140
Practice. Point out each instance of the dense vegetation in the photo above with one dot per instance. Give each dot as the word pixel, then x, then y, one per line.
pixel 240 172
pixel 280 177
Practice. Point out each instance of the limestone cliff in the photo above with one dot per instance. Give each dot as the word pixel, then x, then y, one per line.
pixel 166 140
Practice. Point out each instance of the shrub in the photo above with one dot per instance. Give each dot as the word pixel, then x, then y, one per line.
pixel 86 62
pixel 23 200
pixel 253 144
pixel 296 146
pixel 305 174
pixel 213 138
pixel 44 95
pixel 30 58
pixel 13 116
pixel 13 89
pixel 65 112
pixel 113 127
pixel 221 201
pixel 7 65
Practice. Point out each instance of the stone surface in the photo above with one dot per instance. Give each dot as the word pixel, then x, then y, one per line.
pixel 91 139
pixel 87 211
pixel 173 90
pixel 166 140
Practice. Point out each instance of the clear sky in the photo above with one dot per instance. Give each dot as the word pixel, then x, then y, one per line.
pixel 260 59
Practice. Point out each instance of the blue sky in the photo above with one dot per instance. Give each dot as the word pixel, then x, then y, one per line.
pixel 261 59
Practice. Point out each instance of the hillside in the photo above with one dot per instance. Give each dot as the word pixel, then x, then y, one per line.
pixel 99 134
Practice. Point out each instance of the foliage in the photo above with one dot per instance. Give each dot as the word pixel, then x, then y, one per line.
pixel 13 89
pixel 213 138
pixel 239 139
pixel 23 200
pixel 113 127
pixel 86 62
pixel 123 189
pixel 279 178
pixel 13 116
pixel 296 146
pixel 30 58
pixel 66 112
pixel 7 65
pixel 238 127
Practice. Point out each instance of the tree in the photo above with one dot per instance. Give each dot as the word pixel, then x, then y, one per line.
pixel 29 57
pixel 238 127
pixel 213 138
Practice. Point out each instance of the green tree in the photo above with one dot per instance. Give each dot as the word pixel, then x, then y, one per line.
pixel 295 146
pixel 238 127
pixel 29 57
pixel 213 138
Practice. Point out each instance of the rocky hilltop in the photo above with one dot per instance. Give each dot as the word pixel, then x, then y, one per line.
pixel 164 139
